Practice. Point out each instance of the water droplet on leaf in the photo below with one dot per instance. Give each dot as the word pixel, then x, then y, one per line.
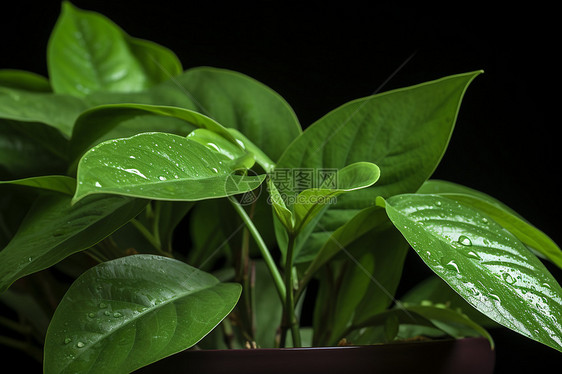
pixel 80 345
pixel 464 240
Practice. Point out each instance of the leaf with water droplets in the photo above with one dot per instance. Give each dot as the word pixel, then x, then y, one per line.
pixel 499 212
pixel 484 263
pixel 156 307
pixel 160 166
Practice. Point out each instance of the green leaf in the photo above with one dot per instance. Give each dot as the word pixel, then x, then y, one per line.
pixel 485 264
pixel 19 151
pixel 350 178
pixel 352 290
pixel 56 110
pixel 502 214
pixel 435 290
pixel 57 183
pixel 405 132
pixel 98 121
pixel 24 80
pixel 53 230
pixel 450 321
pixel 127 313
pixel 364 221
pixel 161 167
pixel 87 53
pixel 240 102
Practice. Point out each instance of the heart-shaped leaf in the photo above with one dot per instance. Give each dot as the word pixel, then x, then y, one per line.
pixel 87 53
pixel 127 313
pixel 482 262
pixel 161 167
pixel 53 230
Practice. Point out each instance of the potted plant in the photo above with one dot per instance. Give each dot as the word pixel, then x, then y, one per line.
pixel 121 155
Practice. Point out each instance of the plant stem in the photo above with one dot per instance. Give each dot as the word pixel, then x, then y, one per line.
pixel 289 317
pixel 277 279
pixel 154 241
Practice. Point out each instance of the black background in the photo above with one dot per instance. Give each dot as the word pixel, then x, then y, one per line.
pixel 319 56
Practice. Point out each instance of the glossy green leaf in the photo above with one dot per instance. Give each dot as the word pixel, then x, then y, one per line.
pixel 350 178
pixel 240 102
pixel 405 132
pixel 485 264
pixel 87 53
pixel 53 230
pixel 127 313
pixel 56 110
pixel 57 183
pixel 502 214
pixel 161 167
pixel 282 213
pixel 24 80
pixel 98 121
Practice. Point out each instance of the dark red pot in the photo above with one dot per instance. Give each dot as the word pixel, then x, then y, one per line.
pixel 471 355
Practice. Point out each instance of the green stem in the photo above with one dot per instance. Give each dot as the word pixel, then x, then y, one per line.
pixel 289 317
pixel 148 235
pixel 269 261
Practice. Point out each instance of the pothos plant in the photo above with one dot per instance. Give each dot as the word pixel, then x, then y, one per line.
pixel 146 210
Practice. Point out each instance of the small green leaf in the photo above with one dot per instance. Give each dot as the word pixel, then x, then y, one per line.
pixel 127 313
pixel 485 264
pixel 161 167
pixel 353 177
pixel 57 183
pixel 87 53
pixel 53 230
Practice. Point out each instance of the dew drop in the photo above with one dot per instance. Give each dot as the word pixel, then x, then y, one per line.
pixel 67 340
pixel 97 184
pixel 80 345
pixel 162 178
pixel 508 278
pixel 215 170
pixel 485 220
pixel 102 305
pixel 117 315
pixel 91 315
pixel 464 240
pixel 473 255
pixel 438 203
pixel 107 313
pixel 133 157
